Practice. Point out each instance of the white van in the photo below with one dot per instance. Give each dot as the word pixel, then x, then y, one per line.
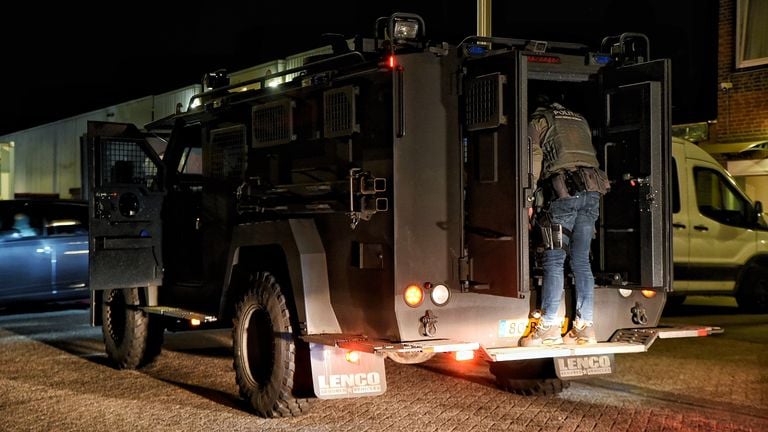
pixel 720 241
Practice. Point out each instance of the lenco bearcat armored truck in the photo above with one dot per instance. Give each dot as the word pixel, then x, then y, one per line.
pixel 375 206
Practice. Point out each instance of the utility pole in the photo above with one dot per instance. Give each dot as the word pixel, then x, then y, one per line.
pixel 484 18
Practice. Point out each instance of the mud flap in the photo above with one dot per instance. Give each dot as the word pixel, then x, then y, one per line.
pixel 336 377
pixel 584 366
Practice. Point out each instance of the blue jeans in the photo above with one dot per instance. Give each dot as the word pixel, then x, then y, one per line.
pixel 577 214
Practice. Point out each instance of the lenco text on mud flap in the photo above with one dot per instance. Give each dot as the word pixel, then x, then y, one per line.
pixel 340 373
pixel 584 366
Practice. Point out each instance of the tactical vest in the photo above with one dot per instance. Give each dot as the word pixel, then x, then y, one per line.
pixel 567 143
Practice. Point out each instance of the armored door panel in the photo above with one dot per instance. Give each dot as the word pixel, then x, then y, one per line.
pixel 497 180
pixel 635 236
pixel 126 197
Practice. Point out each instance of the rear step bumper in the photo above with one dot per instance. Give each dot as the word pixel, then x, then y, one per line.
pixel 184 314
pixel 364 344
pixel 623 341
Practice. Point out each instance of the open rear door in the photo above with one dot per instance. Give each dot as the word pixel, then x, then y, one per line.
pixel 125 200
pixel 496 159
pixel 635 233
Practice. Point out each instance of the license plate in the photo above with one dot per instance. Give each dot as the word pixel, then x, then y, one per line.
pixel 584 366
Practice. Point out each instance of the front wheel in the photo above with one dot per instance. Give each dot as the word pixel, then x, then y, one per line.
pixel 752 295
pixel 265 351
pixel 132 338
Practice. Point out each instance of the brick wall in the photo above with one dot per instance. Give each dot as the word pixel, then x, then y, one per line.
pixel 742 111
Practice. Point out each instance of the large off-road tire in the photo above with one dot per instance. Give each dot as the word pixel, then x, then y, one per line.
pixel 752 294
pixel 265 351
pixel 410 357
pixel 534 377
pixel 132 338
pixel 675 301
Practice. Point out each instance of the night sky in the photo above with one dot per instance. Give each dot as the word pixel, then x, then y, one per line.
pixel 61 60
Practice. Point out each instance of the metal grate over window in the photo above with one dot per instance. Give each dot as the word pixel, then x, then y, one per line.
pixel 273 123
pixel 227 153
pixel 125 162
pixel 339 112
pixel 484 102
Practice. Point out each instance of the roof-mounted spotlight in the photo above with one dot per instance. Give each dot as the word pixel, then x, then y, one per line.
pixel 399 30
pixel 405 29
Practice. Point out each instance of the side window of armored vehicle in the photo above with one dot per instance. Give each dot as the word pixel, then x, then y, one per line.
pixel 125 162
pixel 158 144
pixel 191 161
pixel 717 199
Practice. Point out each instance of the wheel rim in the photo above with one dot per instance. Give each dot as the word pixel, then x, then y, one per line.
pixel 259 347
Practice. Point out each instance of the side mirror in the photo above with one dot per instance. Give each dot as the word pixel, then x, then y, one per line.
pixel 758 213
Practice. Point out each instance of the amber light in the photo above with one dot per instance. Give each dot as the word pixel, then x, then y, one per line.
pixel 352 357
pixel 464 355
pixel 413 295
pixel 648 293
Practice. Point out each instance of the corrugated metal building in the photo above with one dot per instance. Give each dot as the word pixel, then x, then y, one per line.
pixel 46 159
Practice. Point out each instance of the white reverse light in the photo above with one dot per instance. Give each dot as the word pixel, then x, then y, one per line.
pixel 625 292
pixel 440 294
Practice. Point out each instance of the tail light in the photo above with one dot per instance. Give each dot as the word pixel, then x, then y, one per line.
pixel 464 355
pixel 413 295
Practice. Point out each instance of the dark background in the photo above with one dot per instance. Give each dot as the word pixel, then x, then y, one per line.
pixel 61 60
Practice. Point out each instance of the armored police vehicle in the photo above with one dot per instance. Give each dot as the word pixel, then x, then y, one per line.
pixel 375 205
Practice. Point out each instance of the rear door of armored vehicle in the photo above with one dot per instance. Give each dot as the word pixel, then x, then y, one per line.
pixel 628 109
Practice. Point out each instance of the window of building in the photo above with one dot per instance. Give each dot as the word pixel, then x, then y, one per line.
pixel 751 33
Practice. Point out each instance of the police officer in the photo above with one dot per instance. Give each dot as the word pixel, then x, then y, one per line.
pixel 566 171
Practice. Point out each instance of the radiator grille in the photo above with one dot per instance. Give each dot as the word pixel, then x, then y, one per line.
pixel 339 112
pixel 273 123
pixel 484 102
pixel 227 153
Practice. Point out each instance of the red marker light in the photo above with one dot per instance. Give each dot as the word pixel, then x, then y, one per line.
pixel 543 59
pixel 391 62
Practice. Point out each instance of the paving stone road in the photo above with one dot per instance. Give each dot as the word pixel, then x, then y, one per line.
pixel 55 378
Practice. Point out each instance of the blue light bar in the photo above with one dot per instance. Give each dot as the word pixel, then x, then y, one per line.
pixel 477 50
pixel 600 59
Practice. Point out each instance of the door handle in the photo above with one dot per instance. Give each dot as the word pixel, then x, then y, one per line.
pixel 678 225
pixel 700 228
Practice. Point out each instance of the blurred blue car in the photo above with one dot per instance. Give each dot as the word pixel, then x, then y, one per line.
pixel 43 251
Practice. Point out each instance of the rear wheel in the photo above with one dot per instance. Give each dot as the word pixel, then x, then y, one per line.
pixel 675 300
pixel 132 338
pixel 752 296
pixel 265 351
pixel 410 357
pixel 534 377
